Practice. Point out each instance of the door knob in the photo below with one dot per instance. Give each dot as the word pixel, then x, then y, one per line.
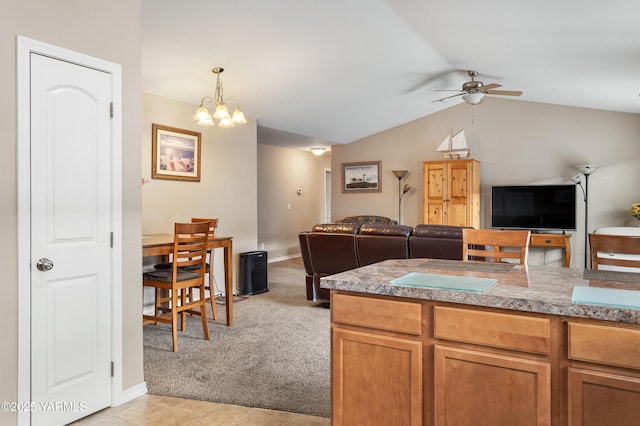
pixel 44 264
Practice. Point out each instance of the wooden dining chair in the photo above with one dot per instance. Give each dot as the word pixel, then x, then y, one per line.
pixel 489 244
pixel 189 252
pixel 609 245
pixel 209 284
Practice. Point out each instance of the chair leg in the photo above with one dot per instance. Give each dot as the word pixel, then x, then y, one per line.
pixel 212 297
pixel 185 296
pixel 174 319
pixel 203 313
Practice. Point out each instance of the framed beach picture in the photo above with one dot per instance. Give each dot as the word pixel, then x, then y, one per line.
pixel 175 154
pixel 361 177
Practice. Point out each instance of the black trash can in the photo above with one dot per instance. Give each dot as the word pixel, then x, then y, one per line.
pixel 252 277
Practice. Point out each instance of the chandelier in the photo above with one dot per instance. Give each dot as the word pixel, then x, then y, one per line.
pixel 221 114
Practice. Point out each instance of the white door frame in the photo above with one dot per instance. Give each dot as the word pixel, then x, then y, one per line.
pixel 326 183
pixel 25 47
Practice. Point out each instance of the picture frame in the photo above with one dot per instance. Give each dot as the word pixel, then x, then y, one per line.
pixel 361 177
pixel 175 153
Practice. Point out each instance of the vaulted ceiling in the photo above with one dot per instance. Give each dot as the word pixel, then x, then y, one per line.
pixel 335 71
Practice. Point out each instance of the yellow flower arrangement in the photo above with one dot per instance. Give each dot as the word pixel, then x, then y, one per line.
pixel 635 210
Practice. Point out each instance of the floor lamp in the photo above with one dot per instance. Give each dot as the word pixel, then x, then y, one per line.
pixel 586 170
pixel 400 174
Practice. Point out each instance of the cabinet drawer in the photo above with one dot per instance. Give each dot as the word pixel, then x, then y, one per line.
pixel 520 333
pixel 382 314
pixel 547 240
pixel 604 345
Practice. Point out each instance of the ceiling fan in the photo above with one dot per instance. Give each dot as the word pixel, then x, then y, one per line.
pixel 473 91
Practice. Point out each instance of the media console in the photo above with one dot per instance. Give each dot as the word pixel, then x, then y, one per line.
pixel 553 241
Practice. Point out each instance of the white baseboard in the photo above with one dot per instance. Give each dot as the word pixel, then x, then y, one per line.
pixel 280 259
pixel 130 394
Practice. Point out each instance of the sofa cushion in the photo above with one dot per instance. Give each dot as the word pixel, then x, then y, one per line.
pixel 436 242
pixel 367 219
pixel 438 231
pixel 337 228
pixel 384 229
pixel 378 242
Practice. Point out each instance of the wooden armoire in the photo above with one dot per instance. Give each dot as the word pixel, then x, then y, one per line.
pixel 452 192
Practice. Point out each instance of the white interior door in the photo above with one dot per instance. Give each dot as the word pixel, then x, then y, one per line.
pixel 71 240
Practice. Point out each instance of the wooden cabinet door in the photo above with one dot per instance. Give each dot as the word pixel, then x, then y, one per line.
pixel 452 193
pixel 602 399
pixel 477 388
pixel 435 196
pixel 376 380
pixel 458 194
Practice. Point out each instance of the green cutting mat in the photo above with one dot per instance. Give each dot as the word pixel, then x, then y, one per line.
pixel 606 296
pixel 448 282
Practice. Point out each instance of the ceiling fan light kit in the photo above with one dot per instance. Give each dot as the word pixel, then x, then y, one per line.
pixel 473 98
pixel 474 91
pixel 221 113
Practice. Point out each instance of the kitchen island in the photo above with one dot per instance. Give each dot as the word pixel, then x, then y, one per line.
pixel 519 353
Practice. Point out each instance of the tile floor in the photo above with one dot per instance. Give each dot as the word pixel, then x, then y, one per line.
pixel 164 410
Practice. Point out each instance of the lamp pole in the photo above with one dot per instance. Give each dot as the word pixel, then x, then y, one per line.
pixel 586 170
pixel 399 174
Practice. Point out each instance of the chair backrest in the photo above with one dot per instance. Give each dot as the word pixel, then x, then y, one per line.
pixel 212 227
pixel 190 246
pixel 613 249
pixel 488 243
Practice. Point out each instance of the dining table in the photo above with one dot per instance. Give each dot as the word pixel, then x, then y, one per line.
pixel 162 245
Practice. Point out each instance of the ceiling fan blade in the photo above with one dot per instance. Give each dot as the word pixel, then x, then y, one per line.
pixel 505 92
pixel 490 86
pixel 449 97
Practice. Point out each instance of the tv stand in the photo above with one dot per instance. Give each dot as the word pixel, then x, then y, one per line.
pixel 554 241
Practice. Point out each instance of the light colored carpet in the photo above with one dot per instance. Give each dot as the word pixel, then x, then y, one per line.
pixel 276 355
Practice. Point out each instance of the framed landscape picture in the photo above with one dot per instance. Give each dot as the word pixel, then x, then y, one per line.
pixel 175 154
pixel 361 177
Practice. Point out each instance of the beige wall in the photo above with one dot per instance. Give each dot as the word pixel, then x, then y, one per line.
pixel 228 186
pixel 281 172
pixel 518 143
pixel 106 30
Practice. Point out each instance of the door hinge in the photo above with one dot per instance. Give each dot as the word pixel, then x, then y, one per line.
pixel 112 368
pixel 111 110
pixel 111 242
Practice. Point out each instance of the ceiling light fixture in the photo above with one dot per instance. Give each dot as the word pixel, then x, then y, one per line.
pixel 473 98
pixel 221 113
pixel 318 151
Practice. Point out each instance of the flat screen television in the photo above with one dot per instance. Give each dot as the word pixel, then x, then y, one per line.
pixel 534 207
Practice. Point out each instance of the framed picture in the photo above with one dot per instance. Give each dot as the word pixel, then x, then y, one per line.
pixel 175 154
pixel 361 177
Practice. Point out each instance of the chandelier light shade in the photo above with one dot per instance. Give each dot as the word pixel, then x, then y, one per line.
pixel 221 114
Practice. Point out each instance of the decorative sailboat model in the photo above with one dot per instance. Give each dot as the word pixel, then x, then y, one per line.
pixel 454 146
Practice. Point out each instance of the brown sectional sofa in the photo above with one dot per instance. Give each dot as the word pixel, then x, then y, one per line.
pixel 336 247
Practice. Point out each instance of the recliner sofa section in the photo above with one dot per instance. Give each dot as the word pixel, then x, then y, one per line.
pixel 332 248
pixel 378 242
pixel 436 242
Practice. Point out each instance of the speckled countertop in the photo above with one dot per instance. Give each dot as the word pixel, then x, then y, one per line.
pixel 540 289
